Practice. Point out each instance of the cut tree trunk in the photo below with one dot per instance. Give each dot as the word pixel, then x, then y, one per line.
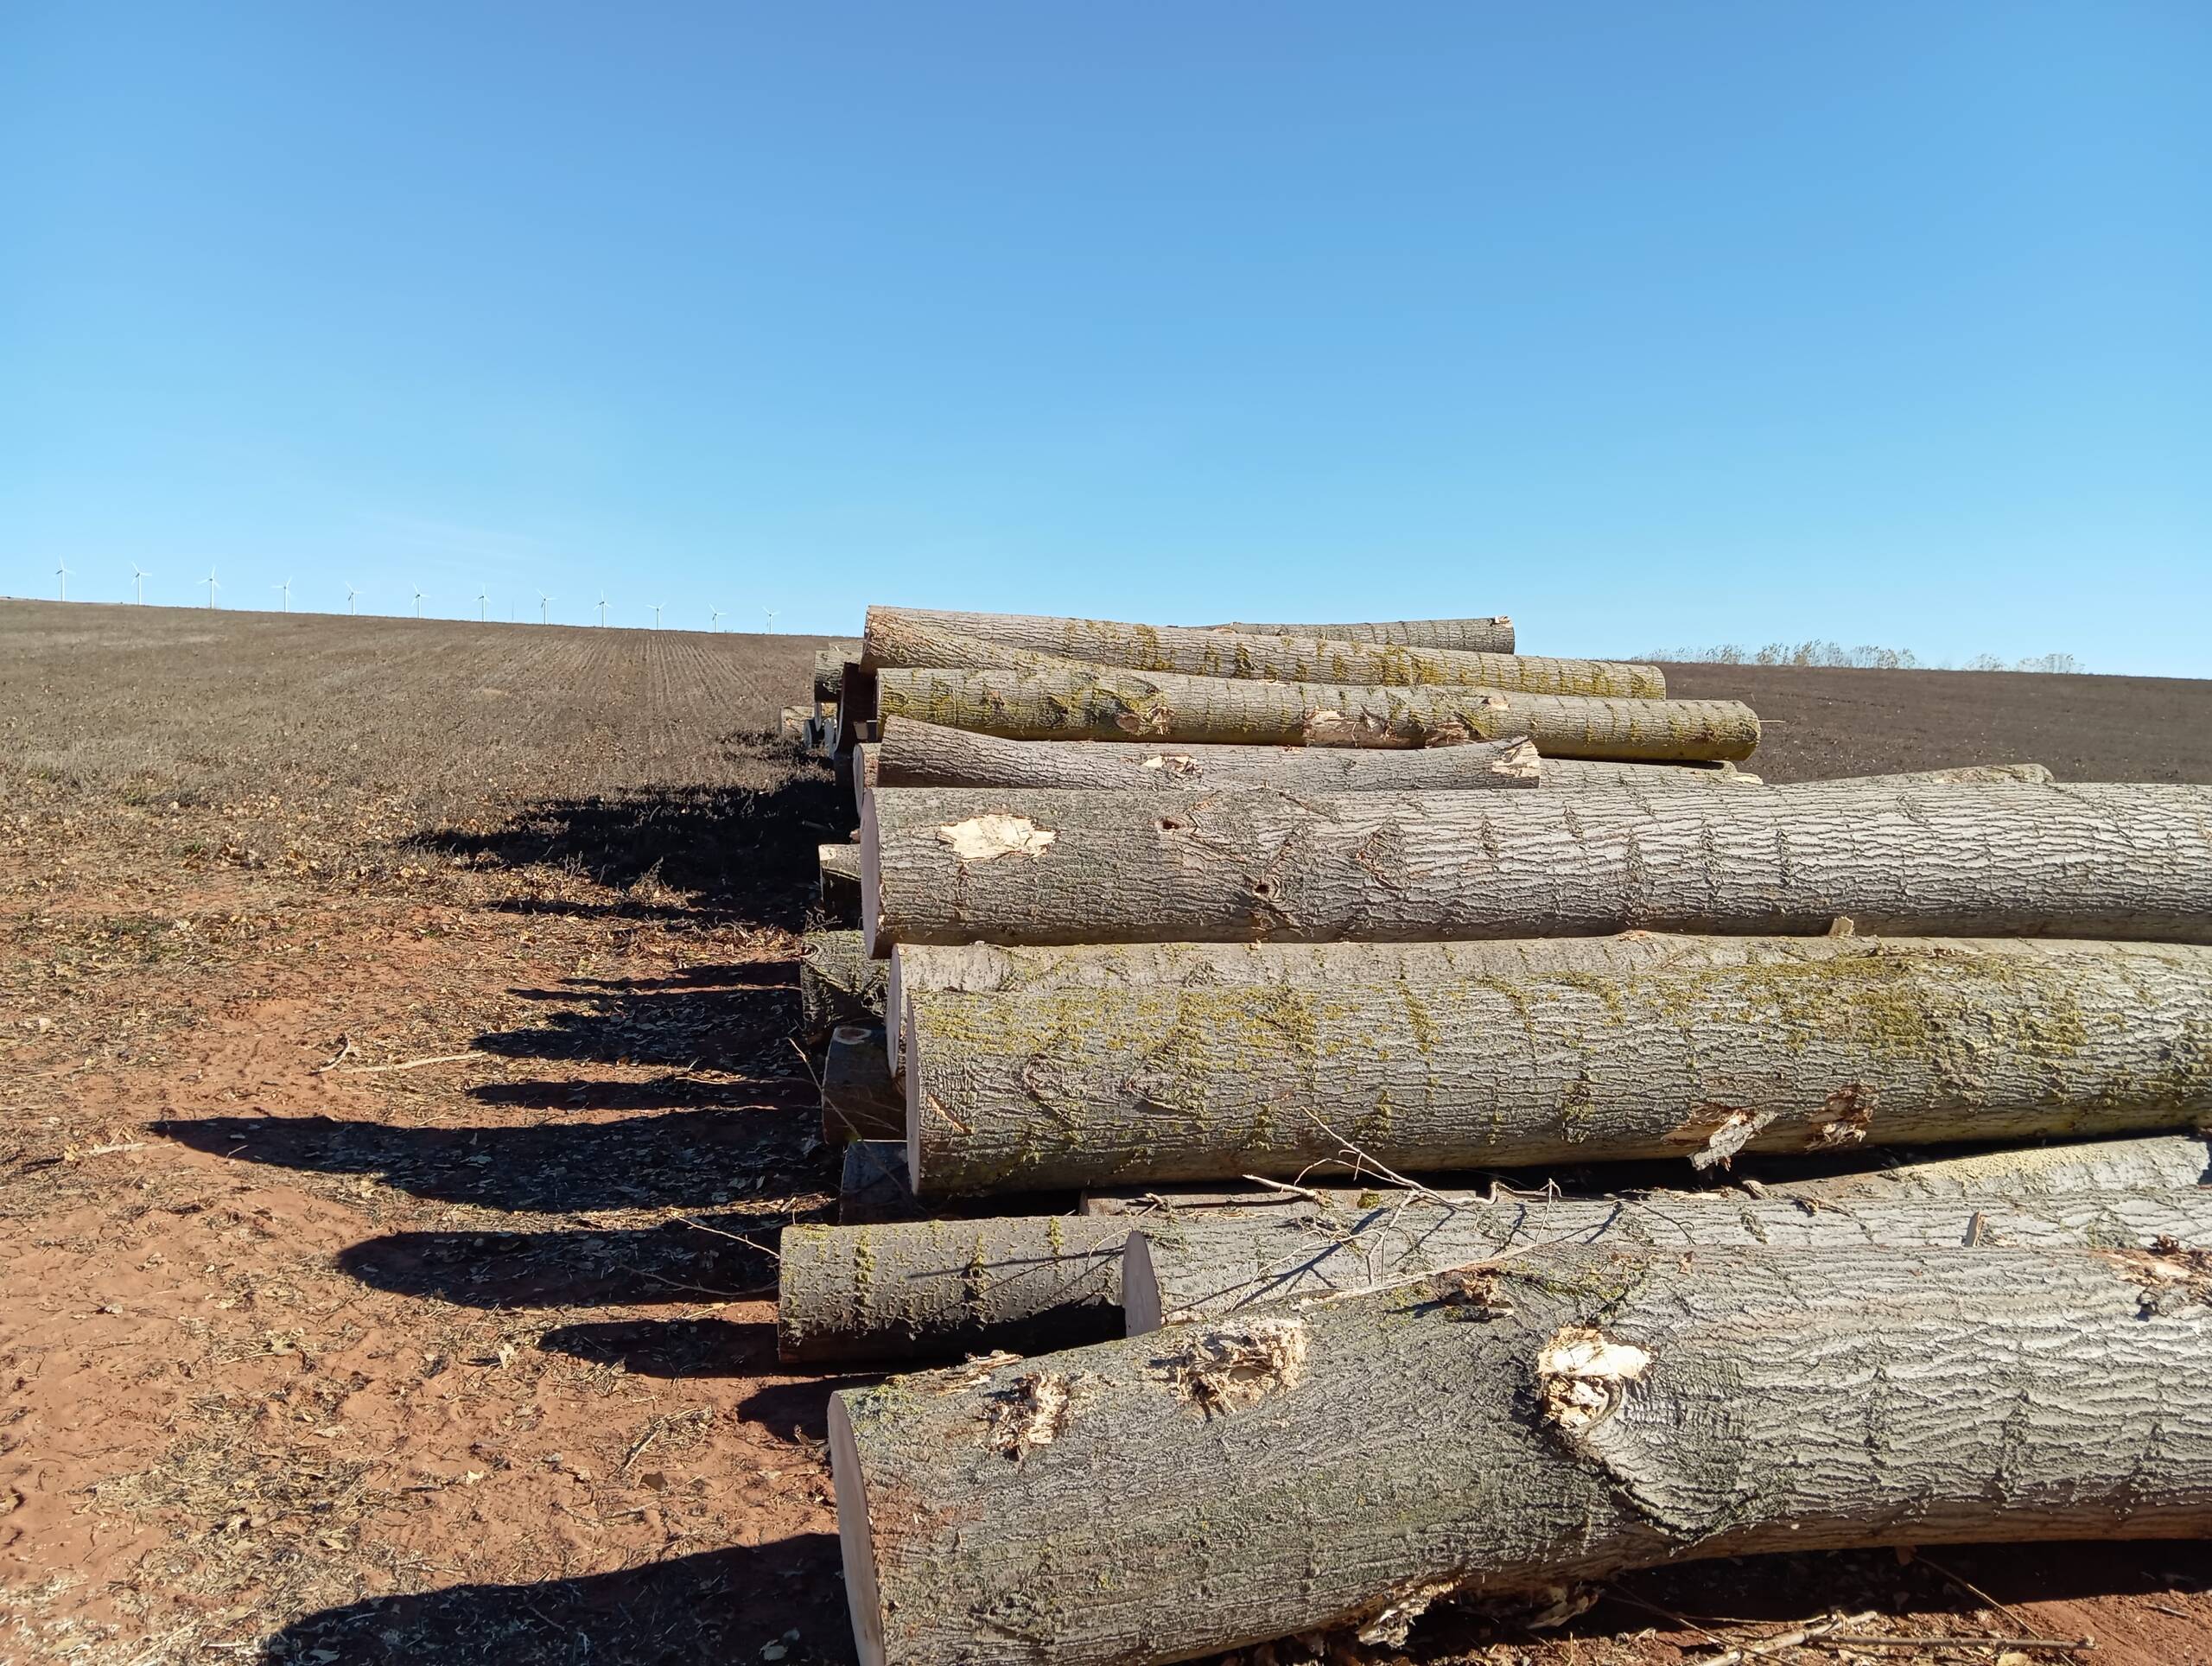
pixel 917 639
pixel 872 1184
pixel 1175 1272
pixel 829 674
pixel 859 1099
pixel 984 967
pixel 1563 1417
pixel 793 721
pixel 1092 1087
pixel 1967 774
pixel 867 764
pixel 841 885
pixel 1104 704
pixel 2155 1162
pixel 1493 635
pixel 937 1289
pixel 929 754
pixel 1575 773
pixel 1041 867
pixel 838 984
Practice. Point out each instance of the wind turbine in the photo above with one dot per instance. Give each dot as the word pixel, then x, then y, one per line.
pixel 350 593
pixel 285 588
pixel 656 615
pixel 715 618
pixel 212 586
pixel 482 596
pixel 771 612
pixel 138 578
pixel 543 602
pixel 602 609
pixel 62 572
pixel 418 601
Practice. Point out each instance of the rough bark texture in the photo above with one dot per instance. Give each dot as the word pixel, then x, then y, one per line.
pixel 1575 773
pixel 984 967
pixel 2157 1162
pixel 872 1185
pixel 1178 1271
pixel 829 672
pixel 1965 774
pixel 1033 867
pixel 939 1290
pixel 1493 635
pixel 841 884
pixel 1567 1416
pixel 921 639
pixel 838 984
pixel 1114 1086
pixel 930 755
pixel 859 1099
pixel 1104 704
pixel 866 767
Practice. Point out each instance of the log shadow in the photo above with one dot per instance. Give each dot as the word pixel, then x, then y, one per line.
pixel 671 1348
pixel 693 1158
pixel 706 1609
pixel 740 1025
pixel 677 1262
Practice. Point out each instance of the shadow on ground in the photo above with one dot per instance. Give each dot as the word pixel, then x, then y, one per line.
pixel 711 1258
pixel 703 1610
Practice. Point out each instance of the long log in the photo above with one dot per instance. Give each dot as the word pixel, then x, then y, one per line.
pixel 838 984
pixel 952 865
pixel 939 1290
pixel 1208 1267
pixel 1104 704
pixel 1578 773
pixel 1964 774
pixel 2154 1162
pixel 929 754
pixel 921 639
pixel 1492 635
pixel 1113 1086
pixel 859 1099
pixel 1565 1416
pixel 987 967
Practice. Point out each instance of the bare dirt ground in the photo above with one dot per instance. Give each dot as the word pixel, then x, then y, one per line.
pixel 400 1109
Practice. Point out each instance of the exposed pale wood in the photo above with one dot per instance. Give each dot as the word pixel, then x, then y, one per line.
pixel 1041 867
pixel 2033 775
pixel 1209 1266
pixel 866 767
pixel 1118 1086
pixel 921 639
pixel 1104 704
pixel 838 984
pixel 859 1099
pixel 858 1295
pixel 930 755
pixel 1569 1416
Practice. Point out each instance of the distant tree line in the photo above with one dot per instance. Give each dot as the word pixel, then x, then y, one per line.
pixel 1866 656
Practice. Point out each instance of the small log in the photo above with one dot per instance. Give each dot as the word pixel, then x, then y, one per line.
pixel 829 671
pixel 872 1184
pixel 868 765
pixel 1493 635
pixel 853 1295
pixel 1178 1270
pixel 860 1101
pixel 1965 775
pixel 1097 1087
pixel 1100 703
pixel 986 969
pixel 792 723
pixel 1037 867
pixel 1564 1416
pixel 840 888
pixel 920 638
pixel 928 755
pixel 838 984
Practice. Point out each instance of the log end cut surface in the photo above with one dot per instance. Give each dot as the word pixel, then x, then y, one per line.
pixel 854 1544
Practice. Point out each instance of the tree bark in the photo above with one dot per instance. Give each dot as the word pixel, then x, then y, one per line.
pixel 2156 1162
pixel 1105 704
pixel 920 638
pixel 986 969
pixel 859 1099
pixel 1178 1271
pixel 868 766
pixel 841 886
pixel 929 754
pixel 829 674
pixel 1093 1087
pixel 938 1289
pixel 1577 773
pixel 838 984
pixel 1493 635
pixel 1016 867
pixel 1566 1416
pixel 1965 774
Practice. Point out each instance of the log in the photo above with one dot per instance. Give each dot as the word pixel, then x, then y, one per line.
pixel 1092 1087
pixel 929 754
pixel 859 1099
pixel 1578 774
pixel 985 968
pixel 1104 704
pixel 920 638
pixel 1566 1416
pixel 829 671
pixel 792 723
pixel 838 984
pixel 853 1296
pixel 871 1184
pixel 2157 1162
pixel 1967 774
pixel 1493 635
pixel 1177 1271
pixel 840 888
pixel 866 767
pixel 1033 867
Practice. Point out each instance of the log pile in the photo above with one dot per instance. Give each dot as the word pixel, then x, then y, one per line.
pixel 1388 1118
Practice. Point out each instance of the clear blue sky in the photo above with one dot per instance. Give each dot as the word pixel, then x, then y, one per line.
pixel 1648 324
